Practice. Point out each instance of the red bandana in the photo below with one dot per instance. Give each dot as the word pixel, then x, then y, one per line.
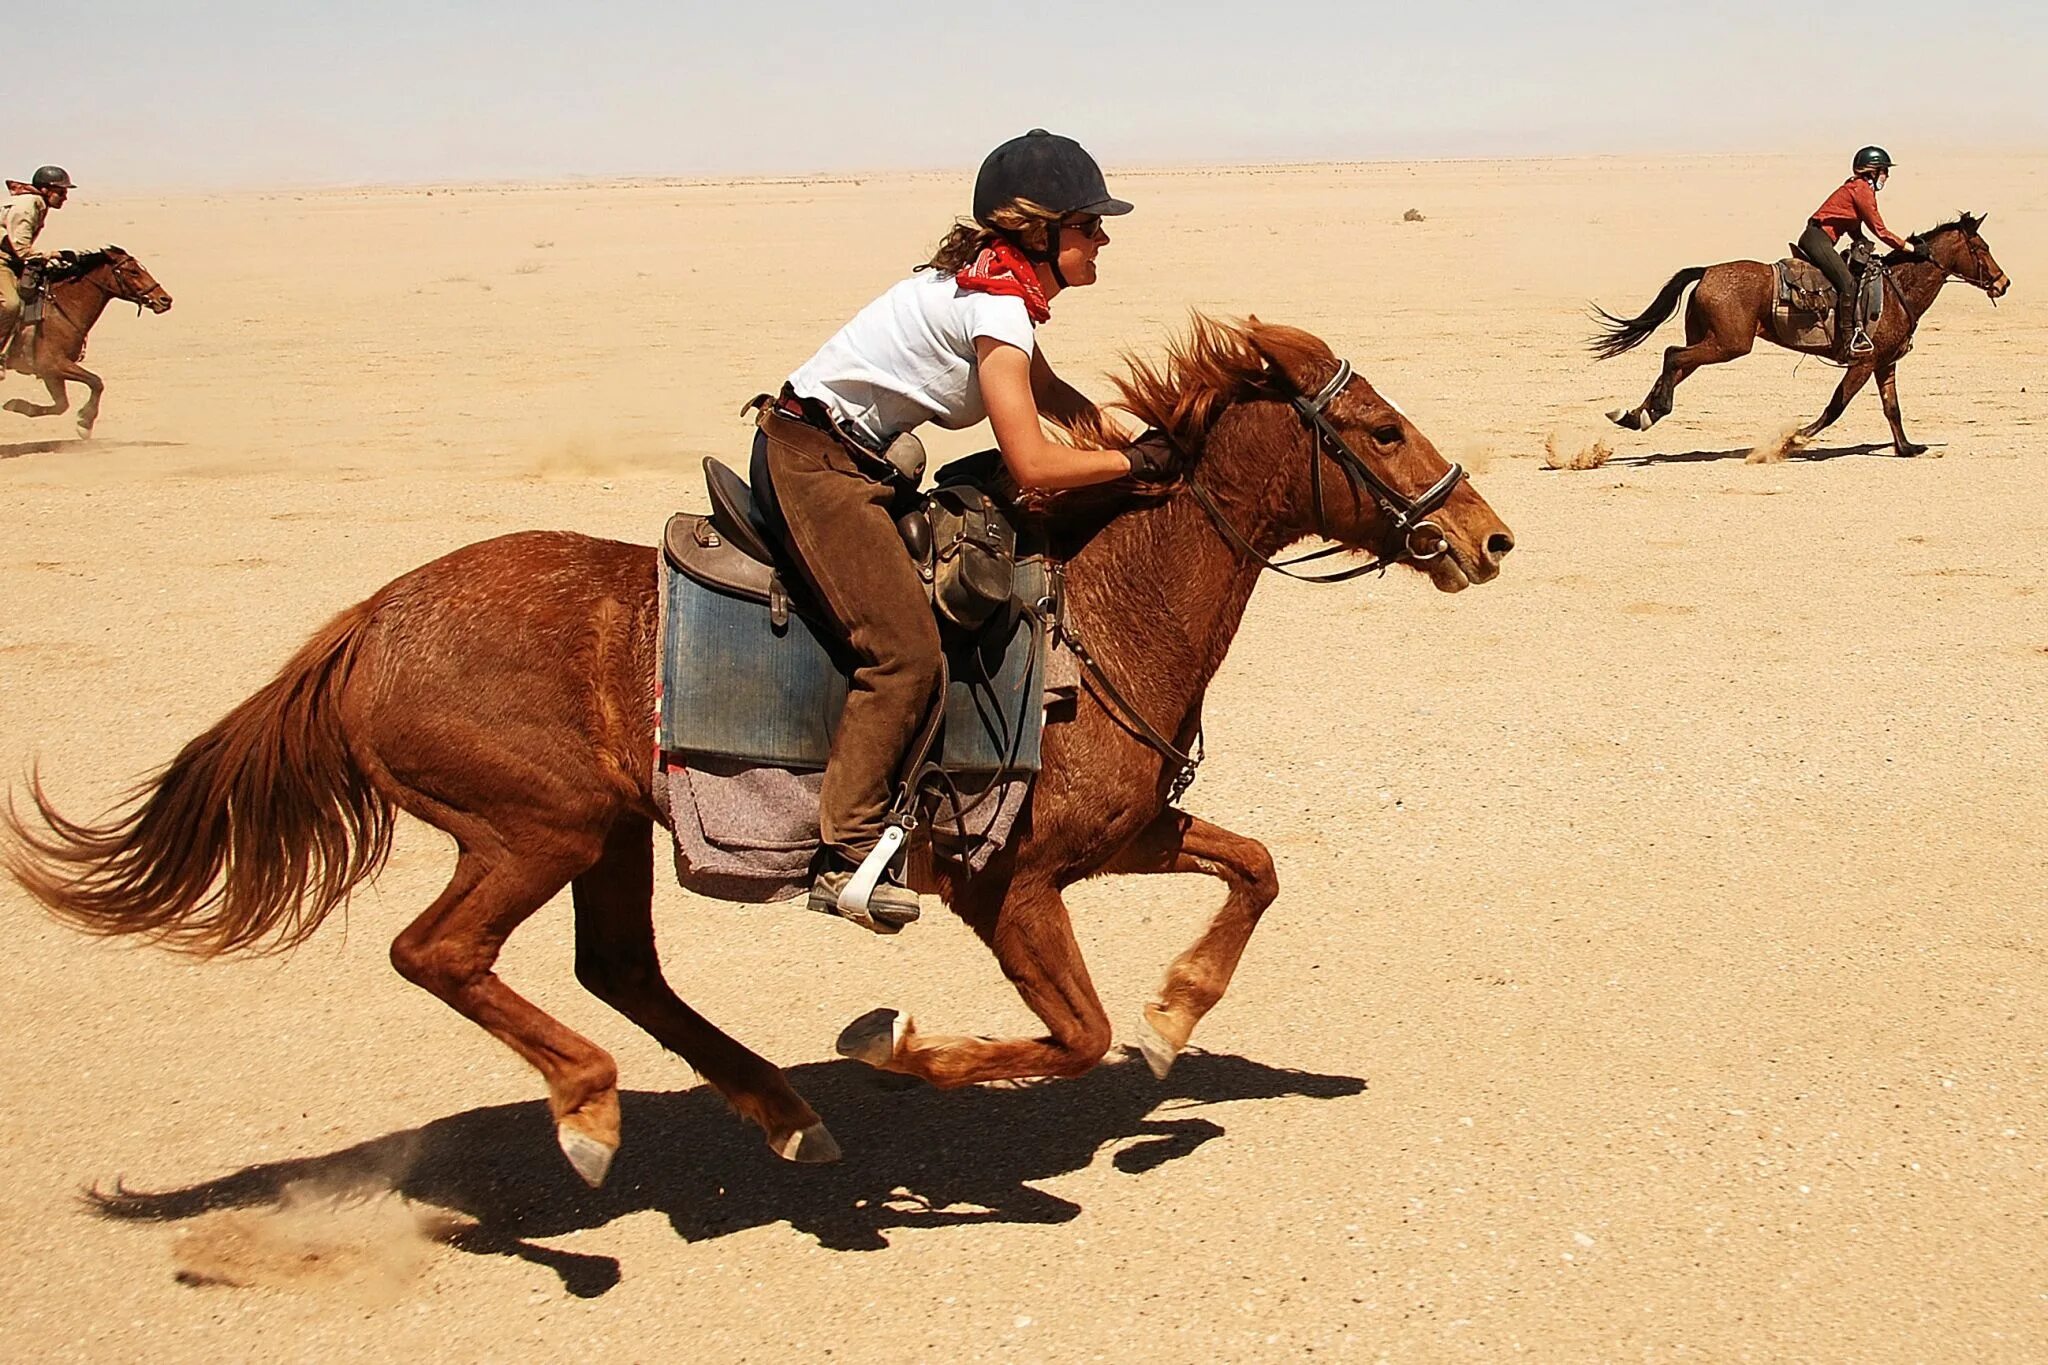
pixel 1002 269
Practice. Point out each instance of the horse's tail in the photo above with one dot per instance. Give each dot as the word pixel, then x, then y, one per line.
pixel 1625 334
pixel 247 840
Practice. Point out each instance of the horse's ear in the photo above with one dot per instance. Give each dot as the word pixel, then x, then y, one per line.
pixel 1298 361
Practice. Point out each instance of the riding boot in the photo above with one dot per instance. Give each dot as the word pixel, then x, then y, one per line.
pixel 1852 323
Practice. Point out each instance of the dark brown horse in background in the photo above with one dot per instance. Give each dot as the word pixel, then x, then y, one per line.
pixel 1732 308
pixel 74 298
pixel 504 694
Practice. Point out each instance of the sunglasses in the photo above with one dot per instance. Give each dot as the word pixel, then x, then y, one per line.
pixel 1087 226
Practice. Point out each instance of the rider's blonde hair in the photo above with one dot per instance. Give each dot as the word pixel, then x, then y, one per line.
pixel 1028 224
pixel 1031 226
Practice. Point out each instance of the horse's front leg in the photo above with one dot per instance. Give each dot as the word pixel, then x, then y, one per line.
pixel 1853 380
pixel 1888 393
pixel 89 412
pixel 1025 923
pixel 1178 842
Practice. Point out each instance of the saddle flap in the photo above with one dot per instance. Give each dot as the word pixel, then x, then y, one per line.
pixel 734 512
pixel 1802 287
pixel 699 550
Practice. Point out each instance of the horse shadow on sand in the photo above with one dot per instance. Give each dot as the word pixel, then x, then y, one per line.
pixel 915 1158
pixel 13 450
pixel 1742 453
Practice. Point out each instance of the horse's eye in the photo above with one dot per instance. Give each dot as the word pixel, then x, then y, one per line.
pixel 1389 435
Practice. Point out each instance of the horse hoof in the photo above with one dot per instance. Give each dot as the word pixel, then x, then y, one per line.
pixel 591 1158
pixel 874 1037
pixel 1159 1054
pixel 1633 421
pixel 1912 448
pixel 812 1146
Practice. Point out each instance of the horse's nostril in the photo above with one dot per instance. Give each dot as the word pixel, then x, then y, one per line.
pixel 1498 544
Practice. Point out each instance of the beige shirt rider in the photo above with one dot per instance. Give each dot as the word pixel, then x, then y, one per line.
pixel 22 221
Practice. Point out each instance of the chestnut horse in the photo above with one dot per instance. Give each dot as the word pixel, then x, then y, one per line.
pixel 504 694
pixel 75 297
pixel 1732 308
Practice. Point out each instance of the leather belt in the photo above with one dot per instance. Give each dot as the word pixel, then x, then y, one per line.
pixel 813 413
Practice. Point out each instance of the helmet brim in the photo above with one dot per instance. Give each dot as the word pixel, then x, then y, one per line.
pixel 1107 208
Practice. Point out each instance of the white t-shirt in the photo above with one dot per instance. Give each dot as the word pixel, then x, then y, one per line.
pixel 908 357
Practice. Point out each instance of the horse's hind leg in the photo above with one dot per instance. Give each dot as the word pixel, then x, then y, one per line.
pixel 59 400
pixel 1026 925
pixel 1178 842
pixel 449 950
pixel 617 962
pixel 1704 345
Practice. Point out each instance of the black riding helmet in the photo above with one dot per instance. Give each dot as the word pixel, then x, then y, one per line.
pixel 51 177
pixel 1871 159
pixel 1056 173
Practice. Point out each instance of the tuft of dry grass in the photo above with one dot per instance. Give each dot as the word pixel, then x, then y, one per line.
pixel 1586 457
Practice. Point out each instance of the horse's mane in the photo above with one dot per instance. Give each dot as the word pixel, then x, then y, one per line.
pixel 84 261
pixel 1216 364
pixel 1962 222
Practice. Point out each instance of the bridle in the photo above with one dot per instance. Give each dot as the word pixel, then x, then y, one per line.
pixel 123 270
pixel 118 268
pixel 1408 526
pixel 1971 245
pixel 1408 519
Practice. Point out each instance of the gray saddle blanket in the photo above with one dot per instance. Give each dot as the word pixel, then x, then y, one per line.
pixel 750 693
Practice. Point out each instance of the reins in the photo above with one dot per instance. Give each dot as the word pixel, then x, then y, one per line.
pixel 1409 525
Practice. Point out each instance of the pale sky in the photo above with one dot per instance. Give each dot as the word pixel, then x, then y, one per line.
pixel 131 95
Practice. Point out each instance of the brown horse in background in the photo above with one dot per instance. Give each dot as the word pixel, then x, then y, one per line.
pixel 73 300
pixel 504 694
pixel 1732 308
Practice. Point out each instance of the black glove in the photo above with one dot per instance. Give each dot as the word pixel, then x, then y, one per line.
pixel 1153 458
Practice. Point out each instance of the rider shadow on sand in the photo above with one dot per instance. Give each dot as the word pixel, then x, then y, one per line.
pixel 915 1157
pixel 1883 448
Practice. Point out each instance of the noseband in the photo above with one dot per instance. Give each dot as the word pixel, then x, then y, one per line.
pixel 1408 519
pixel 1408 526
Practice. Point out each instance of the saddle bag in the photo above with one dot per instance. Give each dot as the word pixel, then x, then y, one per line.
pixel 969 560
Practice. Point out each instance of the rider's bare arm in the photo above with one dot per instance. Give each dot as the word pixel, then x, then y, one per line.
pixel 1062 402
pixel 1034 459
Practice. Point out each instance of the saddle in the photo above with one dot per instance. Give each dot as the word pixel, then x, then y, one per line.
pixel 1803 299
pixel 753 671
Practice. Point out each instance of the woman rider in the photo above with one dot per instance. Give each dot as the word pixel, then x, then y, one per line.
pixel 952 344
pixel 1848 210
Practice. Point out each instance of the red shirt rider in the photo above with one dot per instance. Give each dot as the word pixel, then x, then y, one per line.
pixel 1850 209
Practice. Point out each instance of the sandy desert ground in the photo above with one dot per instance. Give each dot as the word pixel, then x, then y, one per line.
pixel 1658 971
